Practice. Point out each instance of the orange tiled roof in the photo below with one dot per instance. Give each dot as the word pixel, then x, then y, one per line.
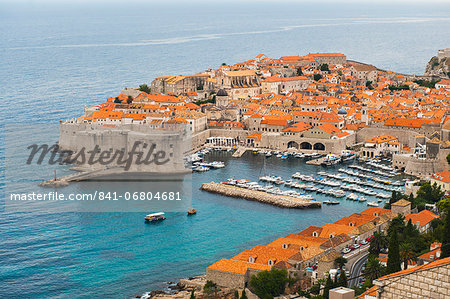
pixel 239 267
pixel 437 263
pixel 443 176
pixel 381 139
pixel 423 217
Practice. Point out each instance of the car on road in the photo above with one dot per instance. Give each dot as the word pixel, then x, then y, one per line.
pixel 355 246
pixel 347 273
pixel 364 242
pixel 346 250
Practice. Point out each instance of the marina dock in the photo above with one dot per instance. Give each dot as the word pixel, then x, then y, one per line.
pixel 239 152
pixel 273 199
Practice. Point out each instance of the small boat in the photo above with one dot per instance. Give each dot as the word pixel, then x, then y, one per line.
pixel 331 202
pixel 372 204
pixel 201 169
pixel 191 212
pixel 155 217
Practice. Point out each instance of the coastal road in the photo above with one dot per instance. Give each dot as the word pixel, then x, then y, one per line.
pixel 355 259
pixel 357 268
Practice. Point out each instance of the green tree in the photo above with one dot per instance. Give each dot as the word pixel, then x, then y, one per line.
pixel 374 269
pixel 300 73
pixel 328 287
pixel 209 287
pixel 236 294
pixel 192 294
pixel 324 67
pixel 340 262
pixel 269 284
pixel 116 100
pixel 145 88
pixel 407 254
pixel 446 236
pixel 393 262
pixel 129 100
pixel 429 193
pixel 443 205
pixel 369 84
pixel 244 295
pixel 342 282
pixel 377 243
pixel 397 225
pixel 317 77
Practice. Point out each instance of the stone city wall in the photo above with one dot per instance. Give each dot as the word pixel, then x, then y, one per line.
pixel 429 283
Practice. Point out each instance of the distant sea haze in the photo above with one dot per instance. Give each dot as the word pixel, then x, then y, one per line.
pixel 57 58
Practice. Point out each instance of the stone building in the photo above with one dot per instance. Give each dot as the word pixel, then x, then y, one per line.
pixel 431 280
pixel 401 207
pixel 182 84
pixel 364 72
pixel 284 84
pixel 239 84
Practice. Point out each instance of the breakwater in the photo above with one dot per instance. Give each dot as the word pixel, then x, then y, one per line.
pixel 273 199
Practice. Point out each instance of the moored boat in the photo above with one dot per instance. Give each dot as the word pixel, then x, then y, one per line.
pixel 191 212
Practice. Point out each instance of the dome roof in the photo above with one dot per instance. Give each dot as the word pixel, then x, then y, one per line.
pixel 222 93
pixel 342 111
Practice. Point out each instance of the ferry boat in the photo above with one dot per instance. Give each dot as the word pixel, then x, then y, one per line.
pixel 155 217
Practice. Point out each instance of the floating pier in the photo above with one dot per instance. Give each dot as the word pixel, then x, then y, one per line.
pixel 273 199
pixel 239 152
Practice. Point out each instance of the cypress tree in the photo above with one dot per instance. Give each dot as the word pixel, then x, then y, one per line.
pixel 244 295
pixel 192 294
pixel 393 263
pixel 342 282
pixel 328 287
pixel 446 236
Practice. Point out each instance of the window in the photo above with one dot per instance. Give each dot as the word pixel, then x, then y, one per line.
pixel 302 248
pixel 315 234
pixel 284 246
pixel 270 263
pixel 331 236
pixel 251 259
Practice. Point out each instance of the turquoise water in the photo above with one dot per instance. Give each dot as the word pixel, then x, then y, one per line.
pixel 54 59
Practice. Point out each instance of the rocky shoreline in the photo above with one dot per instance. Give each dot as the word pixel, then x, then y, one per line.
pixel 273 199
pixel 183 288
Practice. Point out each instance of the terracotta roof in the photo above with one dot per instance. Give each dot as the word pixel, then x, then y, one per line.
pixel 401 203
pixel 329 128
pixel 262 254
pixel 443 176
pixel 381 139
pixel 373 210
pixel 298 127
pixel 423 217
pixel 239 267
pixel 437 263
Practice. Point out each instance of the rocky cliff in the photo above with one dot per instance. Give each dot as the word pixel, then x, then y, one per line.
pixel 438 67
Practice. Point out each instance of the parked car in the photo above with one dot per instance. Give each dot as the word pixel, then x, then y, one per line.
pixel 356 246
pixel 346 250
pixel 364 242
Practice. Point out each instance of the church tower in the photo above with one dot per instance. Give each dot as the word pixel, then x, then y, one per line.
pixel 365 114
